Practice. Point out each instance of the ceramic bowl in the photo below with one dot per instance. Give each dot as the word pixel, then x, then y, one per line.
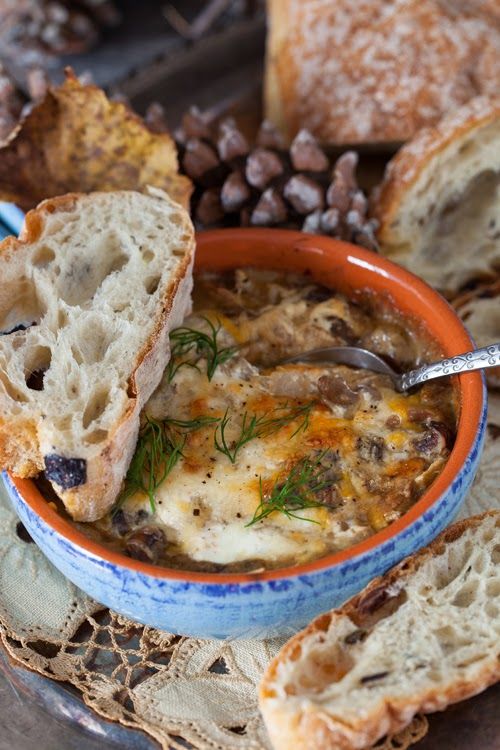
pixel 209 605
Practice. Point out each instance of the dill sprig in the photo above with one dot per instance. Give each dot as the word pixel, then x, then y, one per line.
pixel 191 425
pixel 189 346
pixel 159 447
pixel 253 426
pixel 297 492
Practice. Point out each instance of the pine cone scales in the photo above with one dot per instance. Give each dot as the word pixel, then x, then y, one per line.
pixel 268 185
pixel 11 104
pixel 33 30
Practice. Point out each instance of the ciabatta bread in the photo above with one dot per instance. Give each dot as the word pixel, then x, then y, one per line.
pixel 375 71
pixel 480 311
pixel 439 204
pixel 422 636
pixel 89 293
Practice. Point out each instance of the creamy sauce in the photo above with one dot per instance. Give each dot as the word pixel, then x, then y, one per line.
pixel 372 451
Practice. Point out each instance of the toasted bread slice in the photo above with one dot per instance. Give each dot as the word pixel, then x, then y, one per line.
pixel 420 637
pixel 439 203
pixel 89 293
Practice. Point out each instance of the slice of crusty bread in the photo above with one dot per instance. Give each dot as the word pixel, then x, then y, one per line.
pixel 89 293
pixel 424 635
pixel 480 311
pixel 439 203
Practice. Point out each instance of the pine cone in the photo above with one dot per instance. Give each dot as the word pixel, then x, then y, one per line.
pixel 32 30
pixel 267 185
pixel 11 104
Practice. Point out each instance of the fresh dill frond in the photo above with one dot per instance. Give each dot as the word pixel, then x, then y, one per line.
pixel 157 452
pixel 253 426
pixel 297 492
pixel 159 447
pixel 189 346
pixel 190 425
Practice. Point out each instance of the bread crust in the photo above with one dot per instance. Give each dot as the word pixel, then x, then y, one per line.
pixel 480 310
pixel 20 449
pixel 375 72
pixel 405 168
pixel 309 728
pixel 105 474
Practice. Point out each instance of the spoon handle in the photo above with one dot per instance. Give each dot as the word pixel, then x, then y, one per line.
pixel 479 359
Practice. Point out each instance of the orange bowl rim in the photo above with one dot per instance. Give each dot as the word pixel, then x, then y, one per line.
pixel 470 386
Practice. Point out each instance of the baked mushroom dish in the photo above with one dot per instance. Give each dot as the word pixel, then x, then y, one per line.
pixel 245 464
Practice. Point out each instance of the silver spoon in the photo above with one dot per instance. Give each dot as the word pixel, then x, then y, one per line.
pixel 478 359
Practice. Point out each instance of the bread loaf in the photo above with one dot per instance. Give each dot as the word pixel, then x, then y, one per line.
pixel 420 637
pixel 375 71
pixel 480 311
pixel 439 203
pixel 89 293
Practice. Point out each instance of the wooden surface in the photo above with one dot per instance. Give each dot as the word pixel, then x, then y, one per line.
pixel 471 725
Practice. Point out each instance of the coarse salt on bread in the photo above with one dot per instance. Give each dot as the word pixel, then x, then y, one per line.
pixel 438 206
pixel 375 71
pixel 89 293
pixel 424 635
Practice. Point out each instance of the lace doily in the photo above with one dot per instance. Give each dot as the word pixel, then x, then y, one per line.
pixel 184 692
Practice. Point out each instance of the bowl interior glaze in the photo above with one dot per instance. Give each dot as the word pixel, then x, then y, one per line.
pixel 345 268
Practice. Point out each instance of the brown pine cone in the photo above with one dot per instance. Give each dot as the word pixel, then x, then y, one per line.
pixel 32 30
pixel 37 82
pixel 104 13
pixel 11 104
pixel 265 184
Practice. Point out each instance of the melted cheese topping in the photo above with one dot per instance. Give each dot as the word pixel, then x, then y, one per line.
pixel 377 449
pixel 207 501
pixel 228 494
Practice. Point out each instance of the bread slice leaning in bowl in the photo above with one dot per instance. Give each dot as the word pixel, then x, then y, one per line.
pixel 424 635
pixel 89 293
pixel 439 203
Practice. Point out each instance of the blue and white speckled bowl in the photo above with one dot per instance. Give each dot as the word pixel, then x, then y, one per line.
pixel 278 602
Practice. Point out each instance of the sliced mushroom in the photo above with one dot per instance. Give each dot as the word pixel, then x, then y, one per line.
pixel 418 415
pixel 446 432
pixel 146 544
pixel 430 442
pixel 318 293
pixel 341 330
pixel 290 382
pixel 335 391
pixel 123 521
pixel 331 473
pixel 371 447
